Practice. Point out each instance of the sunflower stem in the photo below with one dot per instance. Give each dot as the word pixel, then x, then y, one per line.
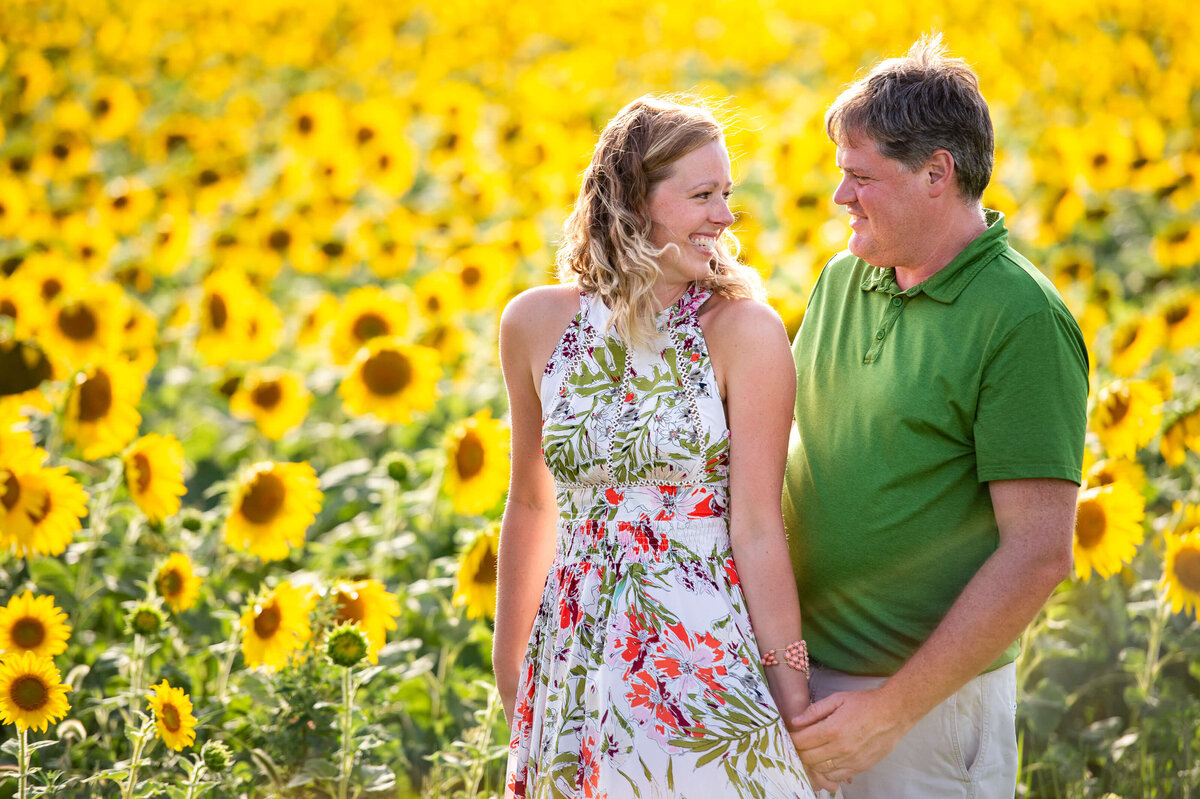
pixel 1150 675
pixel 139 743
pixel 23 757
pixel 97 529
pixel 226 669
pixel 347 721
pixel 194 779
pixel 135 667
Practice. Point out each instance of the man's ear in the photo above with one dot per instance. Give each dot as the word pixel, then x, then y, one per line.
pixel 940 170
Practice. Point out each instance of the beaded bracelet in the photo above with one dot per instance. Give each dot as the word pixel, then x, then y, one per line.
pixel 795 655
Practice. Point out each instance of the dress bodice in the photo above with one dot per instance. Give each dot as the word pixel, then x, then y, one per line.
pixel 639 434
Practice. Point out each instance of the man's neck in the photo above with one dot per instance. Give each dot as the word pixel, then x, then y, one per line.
pixel 950 237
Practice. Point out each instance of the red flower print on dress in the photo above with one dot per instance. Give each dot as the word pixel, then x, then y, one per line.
pixel 669 497
pixel 731 572
pixel 705 509
pixel 654 709
pixel 613 496
pixel 690 662
pixel 570 578
pixel 644 538
pixel 634 640
pixel 587 777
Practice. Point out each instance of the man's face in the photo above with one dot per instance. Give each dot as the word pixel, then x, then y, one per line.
pixel 887 205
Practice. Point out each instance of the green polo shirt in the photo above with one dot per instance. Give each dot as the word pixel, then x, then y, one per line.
pixel 908 403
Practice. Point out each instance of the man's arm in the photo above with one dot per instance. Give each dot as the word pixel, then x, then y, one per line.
pixel 857 729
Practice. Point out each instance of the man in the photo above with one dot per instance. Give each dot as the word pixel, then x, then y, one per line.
pixel 931 489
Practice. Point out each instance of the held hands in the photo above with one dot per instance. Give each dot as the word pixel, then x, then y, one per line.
pixel 845 734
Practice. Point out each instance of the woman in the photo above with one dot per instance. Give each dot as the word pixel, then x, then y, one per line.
pixel 651 399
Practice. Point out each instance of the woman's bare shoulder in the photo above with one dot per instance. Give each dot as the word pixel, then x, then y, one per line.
pixel 740 317
pixel 540 312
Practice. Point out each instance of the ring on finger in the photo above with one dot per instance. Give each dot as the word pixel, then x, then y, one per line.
pixel 828 765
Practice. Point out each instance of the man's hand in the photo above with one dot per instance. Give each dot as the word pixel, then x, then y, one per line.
pixel 845 734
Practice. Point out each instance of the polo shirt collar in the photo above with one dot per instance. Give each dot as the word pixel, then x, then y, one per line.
pixel 948 282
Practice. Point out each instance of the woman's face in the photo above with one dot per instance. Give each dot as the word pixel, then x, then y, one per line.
pixel 688 212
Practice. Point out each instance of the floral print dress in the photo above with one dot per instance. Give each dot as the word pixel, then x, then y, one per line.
pixel 641 678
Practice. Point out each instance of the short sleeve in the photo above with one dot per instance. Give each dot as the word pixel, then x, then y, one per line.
pixel 1032 412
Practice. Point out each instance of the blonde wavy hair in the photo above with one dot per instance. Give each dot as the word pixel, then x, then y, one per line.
pixel 606 248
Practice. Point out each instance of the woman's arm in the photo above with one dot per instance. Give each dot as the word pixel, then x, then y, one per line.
pixel 527 532
pixel 749 344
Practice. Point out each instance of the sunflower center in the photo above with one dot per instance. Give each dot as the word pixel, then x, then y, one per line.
pixel 8 308
pixel 28 633
pixel 486 574
pixel 350 608
pixel 387 372
pixel 365 134
pixel 1118 406
pixel 29 693
pixel 77 322
pixel 267 395
pixel 169 583
pixel 305 124
pixel 471 276
pixel 51 288
pixel 267 622
pixel 1173 315
pixel 370 325
pixel 264 499
pixel 279 240
pixel 1090 523
pixel 218 313
pixel 170 718
pixel 1187 569
pixel 1123 338
pixel 468 459
pixel 37 516
pixel 141 465
pixel 95 397
pixel 102 107
pixel 12 491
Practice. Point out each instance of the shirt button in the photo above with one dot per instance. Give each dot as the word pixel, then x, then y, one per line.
pixel 897 301
pixel 879 334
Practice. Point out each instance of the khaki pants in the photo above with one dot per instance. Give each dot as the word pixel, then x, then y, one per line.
pixel 965 747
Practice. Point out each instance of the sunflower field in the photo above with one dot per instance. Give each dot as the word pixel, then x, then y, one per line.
pixel 253 438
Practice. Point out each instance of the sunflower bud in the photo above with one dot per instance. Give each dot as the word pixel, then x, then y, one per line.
pixel 146 619
pixel 216 757
pixel 346 645
pixel 400 467
pixel 191 519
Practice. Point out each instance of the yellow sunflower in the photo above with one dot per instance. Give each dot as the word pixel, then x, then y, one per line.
pixel 316 317
pixel 102 415
pixel 115 107
pixel 154 475
pixel 391 379
pixel 52 501
pixel 1180 436
pixel 176 582
pixel 173 717
pixel 1181 570
pixel 83 324
pixel 16 441
pixel 439 296
pixel 237 322
pixel 276 625
pixel 32 693
pixel 479 271
pixel 1134 342
pixel 1108 529
pixel 1126 416
pixel 19 301
pixel 1107 472
pixel 276 400
pixel 272 507
pixel 372 606
pixel 33 624
pixel 367 313
pixel 476 587
pixel 477 462
pixel 1181 316
pixel 315 123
